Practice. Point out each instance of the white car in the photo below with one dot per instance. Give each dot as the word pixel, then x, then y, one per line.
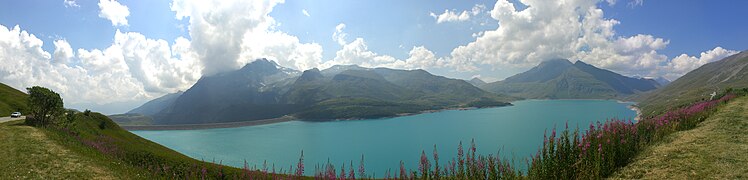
pixel 15 114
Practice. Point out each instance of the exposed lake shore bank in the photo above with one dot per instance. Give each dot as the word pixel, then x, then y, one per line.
pixel 638 112
pixel 271 121
pixel 209 125
pixel 288 118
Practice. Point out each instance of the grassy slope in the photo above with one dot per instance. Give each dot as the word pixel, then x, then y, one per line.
pixel 33 153
pixel 715 149
pixel 42 153
pixel 11 100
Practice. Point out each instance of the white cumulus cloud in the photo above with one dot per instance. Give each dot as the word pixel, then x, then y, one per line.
pixel 154 64
pixel 229 34
pixel 683 63
pixel 63 52
pixel 635 3
pixel 450 16
pixel 420 57
pixel 99 78
pixel 285 49
pixel 575 30
pixel 306 13
pixel 133 68
pixel 339 36
pixel 455 16
pixel 114 12
pixel 357 52
pixel 70 3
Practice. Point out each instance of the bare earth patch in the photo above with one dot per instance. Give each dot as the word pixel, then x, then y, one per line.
pixel 716 149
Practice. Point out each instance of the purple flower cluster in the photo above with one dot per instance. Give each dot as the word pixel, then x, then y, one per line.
pixel 569 156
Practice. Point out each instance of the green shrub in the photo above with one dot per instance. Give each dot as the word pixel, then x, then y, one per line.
pixel 46 106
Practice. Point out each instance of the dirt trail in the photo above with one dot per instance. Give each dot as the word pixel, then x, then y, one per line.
pixel 6 119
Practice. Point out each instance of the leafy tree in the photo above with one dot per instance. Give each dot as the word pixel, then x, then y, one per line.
pixel 69 117
pixel 46 106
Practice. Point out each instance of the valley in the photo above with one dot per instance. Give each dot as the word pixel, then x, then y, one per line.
pixel 345 90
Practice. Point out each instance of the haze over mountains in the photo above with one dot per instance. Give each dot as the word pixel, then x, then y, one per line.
pixel 477 82
pixel 262 89
pixel 561 79
pixel 152 107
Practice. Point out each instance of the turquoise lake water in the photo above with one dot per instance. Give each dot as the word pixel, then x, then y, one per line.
pixel 516 130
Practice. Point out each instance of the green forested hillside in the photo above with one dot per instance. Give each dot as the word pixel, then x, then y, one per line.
pixel 355 92
pixel 561 79
pixel 11 100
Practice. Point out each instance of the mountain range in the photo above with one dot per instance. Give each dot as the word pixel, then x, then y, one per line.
pixel 562 79
pixel 263 89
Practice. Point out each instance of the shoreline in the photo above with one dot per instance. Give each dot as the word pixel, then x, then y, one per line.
pixel 446 109
pixel 633 107
pixel 288 118
pixel 285 118
pixel 638 112
pixel 209 125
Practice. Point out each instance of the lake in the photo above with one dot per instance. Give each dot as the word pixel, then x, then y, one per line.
pixel 516 130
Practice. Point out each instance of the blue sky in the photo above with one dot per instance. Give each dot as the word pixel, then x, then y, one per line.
pixel 691 26
pixel 637 38
pixel 400 24
pixel 82 27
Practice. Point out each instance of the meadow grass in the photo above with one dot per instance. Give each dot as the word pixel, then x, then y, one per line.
pixel 714 149
pixel 33 153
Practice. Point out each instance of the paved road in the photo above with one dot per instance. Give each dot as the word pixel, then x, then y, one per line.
pixel 6 119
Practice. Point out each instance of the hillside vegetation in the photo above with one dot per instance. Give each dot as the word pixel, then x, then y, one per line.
pixel 94 147
pixel 34 153
pixel 89 145
pixel 132 119
pixel 730 72
pixel 12 100
pixel 715 149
